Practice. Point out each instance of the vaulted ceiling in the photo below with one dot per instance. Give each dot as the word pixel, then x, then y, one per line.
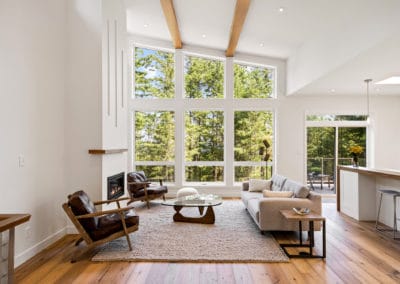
pixel 330 46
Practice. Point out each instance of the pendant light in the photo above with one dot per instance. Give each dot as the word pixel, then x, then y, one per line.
pixel 367 81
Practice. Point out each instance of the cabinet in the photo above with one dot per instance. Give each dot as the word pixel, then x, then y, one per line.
pixel 358 195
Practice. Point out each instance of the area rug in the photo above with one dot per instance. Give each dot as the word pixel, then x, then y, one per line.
pixel 233 238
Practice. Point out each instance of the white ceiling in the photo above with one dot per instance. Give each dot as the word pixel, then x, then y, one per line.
pixel 357 39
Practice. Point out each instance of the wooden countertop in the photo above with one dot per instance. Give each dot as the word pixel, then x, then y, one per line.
pixel 8 221
pixel 371 171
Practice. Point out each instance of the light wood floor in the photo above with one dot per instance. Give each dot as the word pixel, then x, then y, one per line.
pixel 356 253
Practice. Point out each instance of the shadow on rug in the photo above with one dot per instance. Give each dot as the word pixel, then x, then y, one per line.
pixel 233 238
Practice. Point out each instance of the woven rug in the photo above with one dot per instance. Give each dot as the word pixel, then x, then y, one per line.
pixel 233 238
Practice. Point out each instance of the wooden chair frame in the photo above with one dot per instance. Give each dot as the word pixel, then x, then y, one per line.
pixel 84 236
pixel 146 197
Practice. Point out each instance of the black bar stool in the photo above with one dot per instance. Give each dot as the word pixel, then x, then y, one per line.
pixel 394 194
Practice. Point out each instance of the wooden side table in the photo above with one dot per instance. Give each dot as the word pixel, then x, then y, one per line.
pixel 9 222
pixel 312 217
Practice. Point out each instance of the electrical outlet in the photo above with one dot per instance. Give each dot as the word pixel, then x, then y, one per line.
pixel 21 161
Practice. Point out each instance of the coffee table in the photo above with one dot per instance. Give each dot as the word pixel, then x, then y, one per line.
pixel 198 200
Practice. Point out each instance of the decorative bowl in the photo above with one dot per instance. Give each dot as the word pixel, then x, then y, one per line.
pixel 301 211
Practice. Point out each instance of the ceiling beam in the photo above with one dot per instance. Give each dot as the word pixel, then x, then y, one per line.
pixel 170 17
pixel 242 6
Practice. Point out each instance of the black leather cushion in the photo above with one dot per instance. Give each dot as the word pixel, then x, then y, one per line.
pixel 157 190
pixel 137 177
pixel 80 205
pixel 110 224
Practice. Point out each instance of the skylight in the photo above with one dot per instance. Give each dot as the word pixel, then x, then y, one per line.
pixel 394 80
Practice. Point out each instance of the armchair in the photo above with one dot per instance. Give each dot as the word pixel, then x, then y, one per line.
pixel 141 189
pixel 98 227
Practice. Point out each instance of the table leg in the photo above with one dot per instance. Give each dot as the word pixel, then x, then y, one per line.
pixel 208 218
pixel 323 239
pixel 300 233
pixel 11 246
pixel 311 242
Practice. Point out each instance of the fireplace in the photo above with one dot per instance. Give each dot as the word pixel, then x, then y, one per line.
pixel 116 186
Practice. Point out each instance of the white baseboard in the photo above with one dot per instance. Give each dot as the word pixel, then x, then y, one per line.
pixel 32 251
pixel 71 230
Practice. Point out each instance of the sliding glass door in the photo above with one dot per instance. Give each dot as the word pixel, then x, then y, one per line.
pixel 329 143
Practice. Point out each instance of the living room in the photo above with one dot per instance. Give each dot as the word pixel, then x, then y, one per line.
pixel 54 74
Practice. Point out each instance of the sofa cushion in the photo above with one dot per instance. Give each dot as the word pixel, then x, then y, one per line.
pixel 278 182
pixel 269 193
pixel 299 190
pixel 246 196
pixel 259 185
pixel 254 208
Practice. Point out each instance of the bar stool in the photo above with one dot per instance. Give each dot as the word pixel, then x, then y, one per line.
pixel 394 194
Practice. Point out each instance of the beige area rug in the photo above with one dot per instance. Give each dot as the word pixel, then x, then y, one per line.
pixel 233 238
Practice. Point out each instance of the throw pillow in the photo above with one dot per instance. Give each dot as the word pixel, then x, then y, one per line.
pixel 302 192
pixel 268 193
pixel 259 185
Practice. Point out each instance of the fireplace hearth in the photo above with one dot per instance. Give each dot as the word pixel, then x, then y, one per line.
pixel 116 186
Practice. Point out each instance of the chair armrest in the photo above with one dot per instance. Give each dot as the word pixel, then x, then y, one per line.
pixel 147 183
pixel 110 201
pixel 100 213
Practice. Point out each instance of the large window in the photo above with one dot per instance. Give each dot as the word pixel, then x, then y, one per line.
pixel 253 81
pixel 155 144
pixel 202 132
pixel 253 144
pixel 154 74
pixel 204 146
pixel 204 78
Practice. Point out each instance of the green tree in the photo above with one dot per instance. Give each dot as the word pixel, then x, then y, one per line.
pixel 204 78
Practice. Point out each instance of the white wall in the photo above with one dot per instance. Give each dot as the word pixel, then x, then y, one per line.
pixel 32 90
pixel 83 104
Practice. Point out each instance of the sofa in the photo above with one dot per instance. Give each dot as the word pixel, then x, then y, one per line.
pixel 265 210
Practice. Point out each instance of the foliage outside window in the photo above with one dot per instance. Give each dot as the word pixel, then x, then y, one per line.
pixel 253 81
pixel 204 143
pixel 154 74
pixel 204 78
pixel 253 136
pixel 155 143
pixel 330 117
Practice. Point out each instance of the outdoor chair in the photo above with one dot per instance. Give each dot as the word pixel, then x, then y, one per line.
pixel 141 189
pixel 98 227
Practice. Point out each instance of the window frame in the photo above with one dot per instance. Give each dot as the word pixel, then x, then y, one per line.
pixel 179 104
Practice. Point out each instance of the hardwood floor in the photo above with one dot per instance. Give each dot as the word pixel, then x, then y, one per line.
pixel 356 253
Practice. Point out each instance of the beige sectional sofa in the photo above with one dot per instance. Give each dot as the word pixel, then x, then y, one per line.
pixel 265 210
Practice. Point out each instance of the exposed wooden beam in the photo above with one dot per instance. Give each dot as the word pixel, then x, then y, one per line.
pixel 242 6
pixel 170 17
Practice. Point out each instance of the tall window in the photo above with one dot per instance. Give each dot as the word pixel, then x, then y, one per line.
pixel 253 81
pixel 154 74
pixel 204 146
pixel 253 144
pixel 155 144
pixel 203 135
pixel 204 78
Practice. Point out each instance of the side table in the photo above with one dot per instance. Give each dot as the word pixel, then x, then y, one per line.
pixel 312 217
